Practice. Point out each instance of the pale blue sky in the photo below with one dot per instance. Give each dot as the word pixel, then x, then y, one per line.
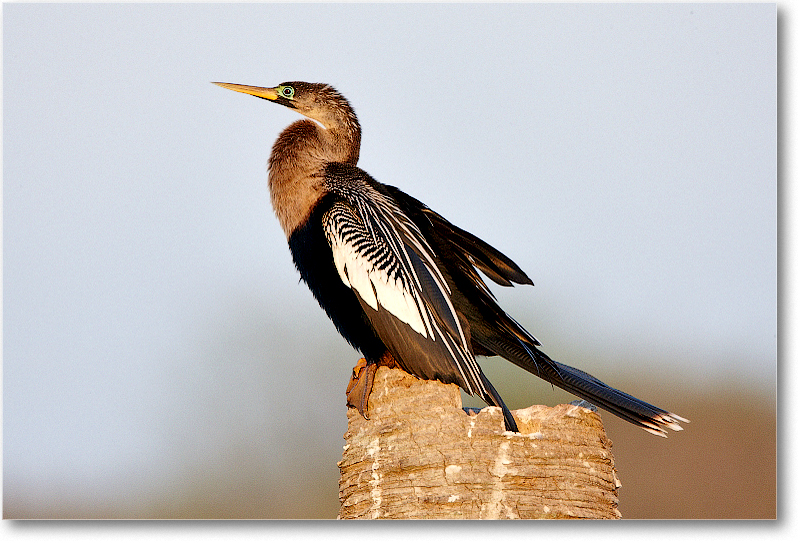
pixel 623 155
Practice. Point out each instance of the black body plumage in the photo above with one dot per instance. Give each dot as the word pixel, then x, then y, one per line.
pixel 312 257
pixel 398 279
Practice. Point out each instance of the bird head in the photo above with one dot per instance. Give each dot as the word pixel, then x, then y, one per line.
pixel 317 101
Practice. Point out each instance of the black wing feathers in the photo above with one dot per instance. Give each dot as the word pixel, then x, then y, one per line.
pixel 497 266
pixel 415 276
pixel 381 254
pixel 493 332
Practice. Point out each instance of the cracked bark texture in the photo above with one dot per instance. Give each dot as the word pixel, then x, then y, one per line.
pixel 420 456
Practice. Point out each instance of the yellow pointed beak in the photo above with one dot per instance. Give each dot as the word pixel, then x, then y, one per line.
pixel 261 92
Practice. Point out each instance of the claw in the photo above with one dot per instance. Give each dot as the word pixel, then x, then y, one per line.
pixel 360 386
pixel 359 367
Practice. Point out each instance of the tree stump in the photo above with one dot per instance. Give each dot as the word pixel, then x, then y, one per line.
pixel 421 456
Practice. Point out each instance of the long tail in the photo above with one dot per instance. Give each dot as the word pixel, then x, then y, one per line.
pixel 647 416
pixel 514 344
pixel 495 399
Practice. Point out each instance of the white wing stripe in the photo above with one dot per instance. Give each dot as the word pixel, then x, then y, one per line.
pixel 373 259
pixel 375 285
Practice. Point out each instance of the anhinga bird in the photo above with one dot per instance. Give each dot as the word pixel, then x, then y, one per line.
pixel 398 280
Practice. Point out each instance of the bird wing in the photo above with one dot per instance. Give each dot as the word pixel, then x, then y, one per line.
pixel 402 260
pixel 497 266
pixel 384 258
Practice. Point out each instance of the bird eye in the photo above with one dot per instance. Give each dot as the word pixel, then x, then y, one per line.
pixel 287 92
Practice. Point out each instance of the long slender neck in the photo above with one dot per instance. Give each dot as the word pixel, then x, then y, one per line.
pixel 341 137
pixel 298 158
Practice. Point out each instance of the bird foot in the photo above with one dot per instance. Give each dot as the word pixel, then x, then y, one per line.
pixel 360 386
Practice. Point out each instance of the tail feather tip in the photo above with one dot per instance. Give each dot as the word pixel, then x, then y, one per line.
pixel 664 421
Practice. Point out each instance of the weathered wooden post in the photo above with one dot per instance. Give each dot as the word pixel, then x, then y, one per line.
pixel 421 456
